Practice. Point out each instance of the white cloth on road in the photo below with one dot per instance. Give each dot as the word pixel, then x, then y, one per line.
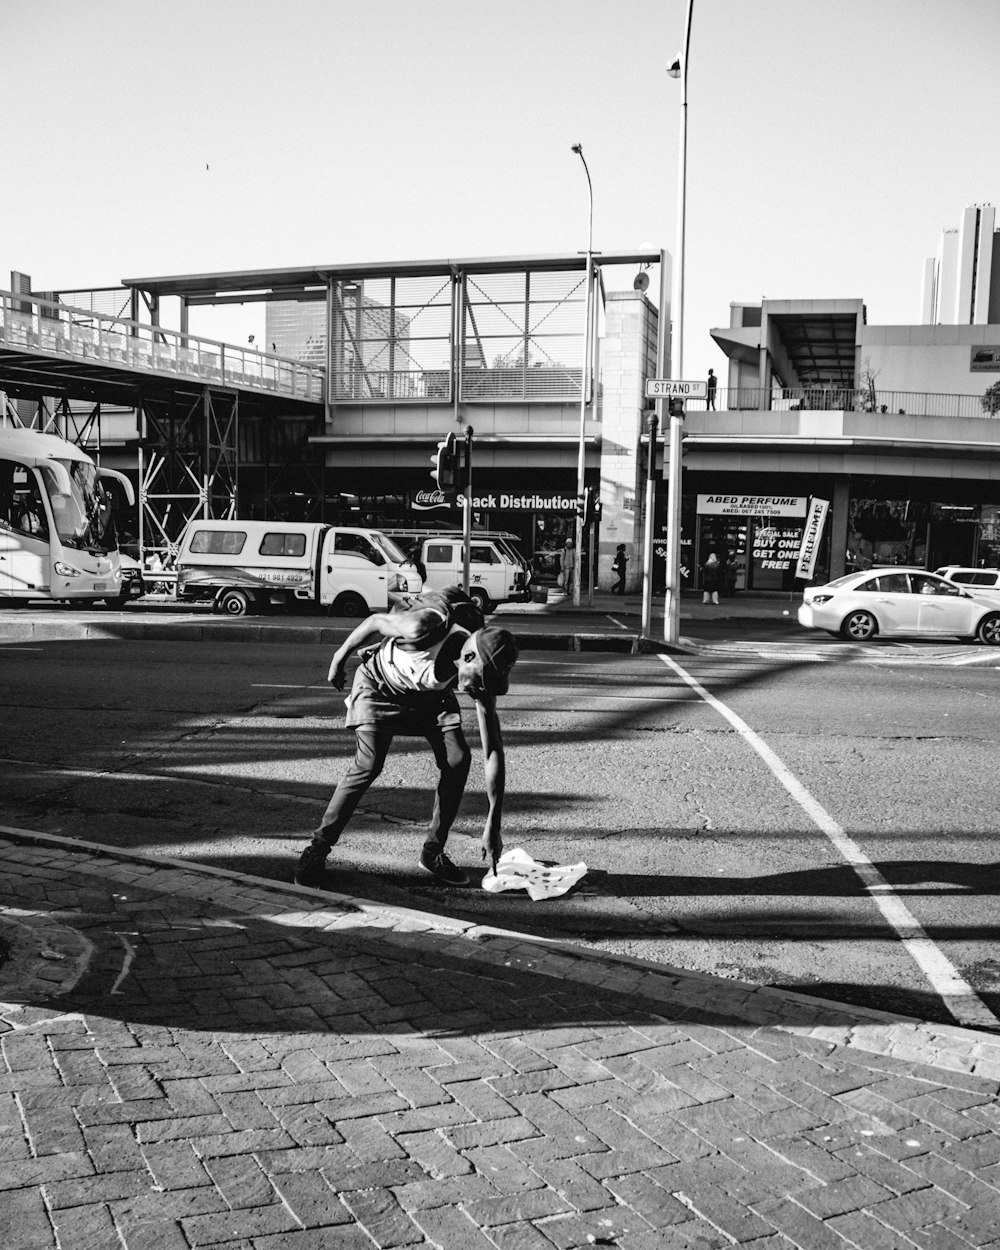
pixel 516 870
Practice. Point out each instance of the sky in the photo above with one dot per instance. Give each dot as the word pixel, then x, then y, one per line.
pixel 829 141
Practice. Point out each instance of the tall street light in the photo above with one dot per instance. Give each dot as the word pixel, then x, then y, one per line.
pixel 672 602
pixel 581 466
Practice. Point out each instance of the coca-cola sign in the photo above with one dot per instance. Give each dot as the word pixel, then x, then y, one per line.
pixel 424 500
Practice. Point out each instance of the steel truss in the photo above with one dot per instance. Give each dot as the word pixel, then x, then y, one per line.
pixel 53 415
pixel 188 465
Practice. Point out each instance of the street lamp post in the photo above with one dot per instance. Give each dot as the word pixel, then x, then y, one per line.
pixel 581 463
pixel 672 602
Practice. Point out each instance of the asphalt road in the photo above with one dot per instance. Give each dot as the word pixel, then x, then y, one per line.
pixel 719 836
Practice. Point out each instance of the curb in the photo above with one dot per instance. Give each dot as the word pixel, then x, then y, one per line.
pixel 53 630
pixel 950 1047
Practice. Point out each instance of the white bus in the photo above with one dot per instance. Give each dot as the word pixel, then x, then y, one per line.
pixel 57 535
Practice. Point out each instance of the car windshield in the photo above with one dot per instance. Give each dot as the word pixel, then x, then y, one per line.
pixel 389 548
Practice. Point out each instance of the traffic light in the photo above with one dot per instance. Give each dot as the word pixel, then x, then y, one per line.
pixel 676 407
pixel 446 466
pixel 588 506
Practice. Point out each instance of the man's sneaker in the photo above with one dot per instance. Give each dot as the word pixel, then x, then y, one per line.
pixel 440 867
pixel 311 868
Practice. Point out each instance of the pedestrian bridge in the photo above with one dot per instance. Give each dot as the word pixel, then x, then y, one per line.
pixel 49 348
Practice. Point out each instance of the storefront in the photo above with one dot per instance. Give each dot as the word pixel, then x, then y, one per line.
pixel 541 521
pixel 540 516
pixel 879 520
pixel 757 538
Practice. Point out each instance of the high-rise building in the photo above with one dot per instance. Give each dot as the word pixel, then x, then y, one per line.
pixel 961 285
pixel 296 330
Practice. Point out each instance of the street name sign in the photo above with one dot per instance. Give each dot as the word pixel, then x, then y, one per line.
pixel 665 388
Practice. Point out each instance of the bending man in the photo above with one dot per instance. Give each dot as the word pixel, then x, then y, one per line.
pixel 406 685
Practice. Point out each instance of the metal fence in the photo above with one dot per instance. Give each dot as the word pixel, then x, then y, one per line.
pixel 842 399
pixel 521 337
pixel 76 333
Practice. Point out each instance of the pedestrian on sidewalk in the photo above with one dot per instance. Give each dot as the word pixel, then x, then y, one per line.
pixel 618 565
pixel 710 573
pixel 406 684
pixel 569 566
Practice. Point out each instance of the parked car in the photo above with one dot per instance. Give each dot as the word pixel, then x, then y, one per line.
pixel 979 581
pixel 899 601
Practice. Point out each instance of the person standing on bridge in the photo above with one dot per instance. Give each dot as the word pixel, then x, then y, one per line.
pixel 406 685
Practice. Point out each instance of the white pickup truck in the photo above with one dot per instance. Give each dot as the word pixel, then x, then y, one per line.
pixel 251 566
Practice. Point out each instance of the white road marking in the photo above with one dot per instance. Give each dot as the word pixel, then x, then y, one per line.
pixel 129 956
pixel 988 657
pixel 947 982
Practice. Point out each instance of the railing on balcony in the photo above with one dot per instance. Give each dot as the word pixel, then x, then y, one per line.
pixel 843 399
pixel 56 329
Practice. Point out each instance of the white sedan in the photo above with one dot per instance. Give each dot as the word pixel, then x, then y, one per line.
pixel 899 601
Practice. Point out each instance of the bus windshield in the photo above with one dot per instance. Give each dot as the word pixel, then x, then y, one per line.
pixel 82 518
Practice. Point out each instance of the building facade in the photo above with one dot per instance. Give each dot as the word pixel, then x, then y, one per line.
pixel 895 427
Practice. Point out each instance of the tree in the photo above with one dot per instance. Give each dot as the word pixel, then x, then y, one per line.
pixel 866 385
pixel 991 400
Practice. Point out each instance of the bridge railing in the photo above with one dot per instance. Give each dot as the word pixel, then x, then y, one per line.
pixel 844 399
pixel 34 324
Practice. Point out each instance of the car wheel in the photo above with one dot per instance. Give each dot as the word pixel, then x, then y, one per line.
pixel 859 626
pixel 486 604
pixel 349 604
pixel 988 630
pixel 233 603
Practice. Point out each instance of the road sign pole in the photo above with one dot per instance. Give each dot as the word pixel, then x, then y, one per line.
pixel 672 600
pixel 647 548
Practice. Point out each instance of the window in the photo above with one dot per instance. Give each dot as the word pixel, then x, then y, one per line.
pixel 483 555
pixel 359 546
pixel 438 553
pixel 278 544
pixel 21 506
pixel 218 542
pixel 889 584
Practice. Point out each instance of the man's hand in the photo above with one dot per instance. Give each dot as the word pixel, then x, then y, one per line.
pixel 337 674
pixel 492 847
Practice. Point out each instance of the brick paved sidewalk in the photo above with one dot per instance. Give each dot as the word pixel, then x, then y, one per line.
pixel 193 1058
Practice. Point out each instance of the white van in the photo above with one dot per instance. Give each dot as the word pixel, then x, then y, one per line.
pixel 496 573
pixel 248 566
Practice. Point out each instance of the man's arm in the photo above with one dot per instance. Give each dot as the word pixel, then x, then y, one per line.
pixel 404 625
pixel 496 776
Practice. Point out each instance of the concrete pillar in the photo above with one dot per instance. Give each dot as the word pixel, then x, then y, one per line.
pixel 838 527
pixel 628 358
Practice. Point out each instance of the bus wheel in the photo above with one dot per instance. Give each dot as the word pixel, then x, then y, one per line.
pixel 233 603
pixel 349 604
